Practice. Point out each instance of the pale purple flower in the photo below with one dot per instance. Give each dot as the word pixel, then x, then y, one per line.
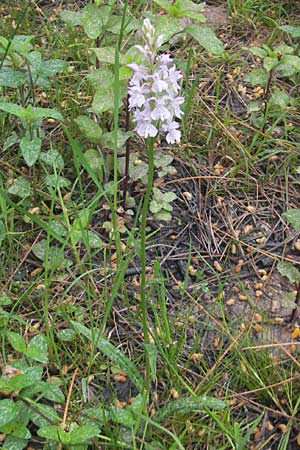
pixel 146 129
pixel 173 134
pixel 159 84
pixel 160 110
pixel 175 106
pixel 153 90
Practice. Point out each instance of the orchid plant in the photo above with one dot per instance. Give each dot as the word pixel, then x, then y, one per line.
pixel 153 97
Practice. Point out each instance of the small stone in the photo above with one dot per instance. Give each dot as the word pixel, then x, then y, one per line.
pixel 218 266
pixel 230 302
pixel 297 245
pixel 174 394
pixel 248 228
pixel 283 428
pixel 187 195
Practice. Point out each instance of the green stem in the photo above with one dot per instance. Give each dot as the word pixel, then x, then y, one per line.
pixel 143 304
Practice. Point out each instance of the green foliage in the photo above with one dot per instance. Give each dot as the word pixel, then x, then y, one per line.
pixel 161 206
pixel 24 381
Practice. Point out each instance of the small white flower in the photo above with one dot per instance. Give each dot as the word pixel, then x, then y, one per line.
pixel 173 134
pixel 160 111
pixel 146 129
pixel 175 105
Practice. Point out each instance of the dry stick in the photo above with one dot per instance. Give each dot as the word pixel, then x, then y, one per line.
pixel 264 346
pixel 270 386
pixel 63 423
pixel 290 356
pixel 127 155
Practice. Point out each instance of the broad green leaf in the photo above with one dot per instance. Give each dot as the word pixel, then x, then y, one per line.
pixel 22 432
pixel 293 217
pixel 101 78
pixel 163 215
pixel 30 150
pixel 52 158
pixel 5 300
pixel 94 240
pixel 289 65
pixel 288 270
pixel 187 8
pixel 35 59
pixel 42 249
pixel 52 67
pixel 283 49
pixel 93 19
pixel 103 101
pixel 40 113
pixel 54 433
pixel 21 188
pixel 111 352
pixel 164 4
pixel 55 181
pixel 39 249
pixel 280 99
pixel 287 300
pixel 167 207
pixel 138 171
pixel 72 18
pixel 122 416
pixel 43 415
pixel 258 51
pixel 34 372
pixel 253 106
pixel 190 405
pixel 79 435
pixel 114 24
pixel 66 335
pixel 47 390
pixel 94 159
pixel 206 38
pixel 14 109
pixel 38 349
pixel 95 415
pixel 169 197
pixel 11 78
pixel 107 55
pixel 14 443
pixel 257 77
pixel 8 411
pixel 90 128
pixel 11 140
pixel 270 63
pixel 16 341
pixel 15 384
pixel 168 26
pixel 22 44
pixel 107 139
pixel 162 159
pixel 82 434
pixel 82 221
pixel 154 207
pixel 292 30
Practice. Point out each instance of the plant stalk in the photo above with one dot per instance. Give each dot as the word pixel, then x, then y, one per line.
pixel 143 302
